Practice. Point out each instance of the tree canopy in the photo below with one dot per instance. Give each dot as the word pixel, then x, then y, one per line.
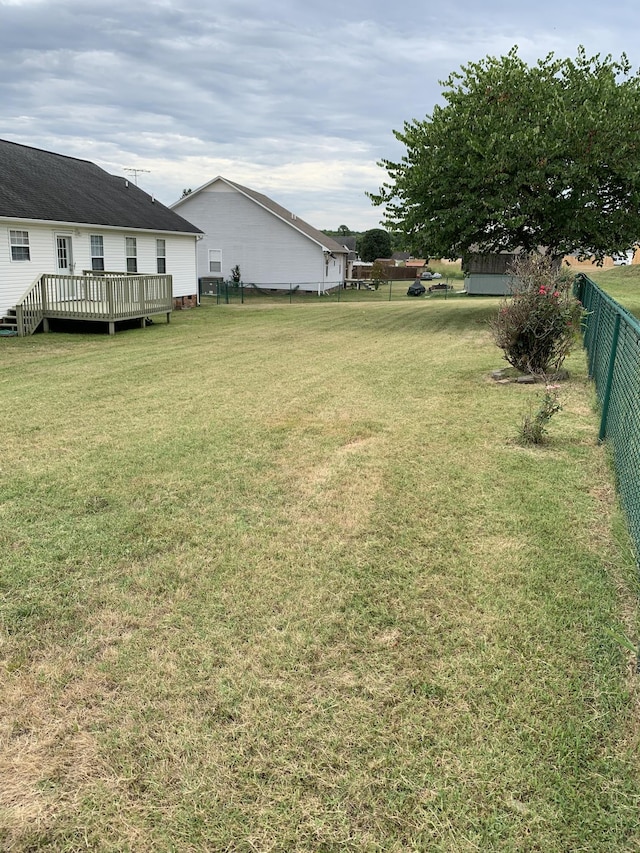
pixel 375 243
pixel 522 157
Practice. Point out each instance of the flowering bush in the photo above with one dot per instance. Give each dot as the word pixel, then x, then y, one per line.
pixel 536 327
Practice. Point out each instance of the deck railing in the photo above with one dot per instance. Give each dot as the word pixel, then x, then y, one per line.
pixel 105 298
pixel 29 313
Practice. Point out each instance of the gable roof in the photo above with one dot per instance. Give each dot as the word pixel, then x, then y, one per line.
pixel 41 185
pixel 276 209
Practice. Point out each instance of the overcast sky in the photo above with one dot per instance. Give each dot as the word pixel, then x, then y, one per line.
pixel 294 98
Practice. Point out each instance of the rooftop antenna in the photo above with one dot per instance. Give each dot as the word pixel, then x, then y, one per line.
pixel 135 172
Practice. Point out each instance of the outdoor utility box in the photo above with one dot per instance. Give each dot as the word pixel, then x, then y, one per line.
pixel 208 285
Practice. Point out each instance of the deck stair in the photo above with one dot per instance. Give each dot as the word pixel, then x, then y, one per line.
pixel 9 324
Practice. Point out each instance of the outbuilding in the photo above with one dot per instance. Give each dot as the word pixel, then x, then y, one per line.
pixel 487 275
pixel 271 246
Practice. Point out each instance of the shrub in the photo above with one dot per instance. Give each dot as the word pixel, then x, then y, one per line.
pixel 379 273
pixel 534 424
pixel 536 327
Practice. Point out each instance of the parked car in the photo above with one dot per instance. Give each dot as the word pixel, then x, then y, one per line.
pixel 428 276
pixel 416 289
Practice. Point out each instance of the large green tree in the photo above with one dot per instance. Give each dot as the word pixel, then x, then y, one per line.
pixel 375 243
pixel 521 156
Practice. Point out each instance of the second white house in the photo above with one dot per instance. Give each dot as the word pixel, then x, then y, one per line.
pixel 271 246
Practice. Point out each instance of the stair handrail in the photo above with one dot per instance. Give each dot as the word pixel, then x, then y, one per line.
pixel 30 308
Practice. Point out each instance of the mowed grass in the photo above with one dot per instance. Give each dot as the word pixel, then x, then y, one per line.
pixel 621 283
pixel 279 579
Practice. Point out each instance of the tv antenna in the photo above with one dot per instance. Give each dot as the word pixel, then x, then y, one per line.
pixel 135 173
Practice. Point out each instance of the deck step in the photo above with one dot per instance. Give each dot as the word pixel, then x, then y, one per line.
pixel 9 324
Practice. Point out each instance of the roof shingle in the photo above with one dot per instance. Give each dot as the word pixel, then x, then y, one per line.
pixel 41 185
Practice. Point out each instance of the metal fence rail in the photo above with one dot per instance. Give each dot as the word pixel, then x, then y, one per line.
pixel 612 342
pixel 353 290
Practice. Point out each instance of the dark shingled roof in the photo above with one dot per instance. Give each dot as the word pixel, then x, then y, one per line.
pixel 36 184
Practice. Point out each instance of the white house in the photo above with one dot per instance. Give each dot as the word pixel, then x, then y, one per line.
pixel 272 247
pixel 68 217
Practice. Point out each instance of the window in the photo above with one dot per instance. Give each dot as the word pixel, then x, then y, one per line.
pixel 132 254
pixel 19 245
pixel 161 256
pixel 97 252
pixel 215 260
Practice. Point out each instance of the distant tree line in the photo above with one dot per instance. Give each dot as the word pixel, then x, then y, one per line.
pixel 371 244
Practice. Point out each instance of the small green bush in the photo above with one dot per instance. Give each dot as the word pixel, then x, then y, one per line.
pixel 534 424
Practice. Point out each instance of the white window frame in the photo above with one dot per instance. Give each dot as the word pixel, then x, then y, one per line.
pixel 97 257
pixel 131 254
pixel 215 260
pixel 161 256
pixel 19 239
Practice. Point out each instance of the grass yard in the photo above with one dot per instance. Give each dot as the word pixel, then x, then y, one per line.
pixel 278 579
pixel 622 283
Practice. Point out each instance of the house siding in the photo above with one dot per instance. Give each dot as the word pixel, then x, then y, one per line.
pixel 487 284
pixel 268 250
pixel 17 276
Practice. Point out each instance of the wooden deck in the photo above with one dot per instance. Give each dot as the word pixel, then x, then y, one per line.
pixel 106 298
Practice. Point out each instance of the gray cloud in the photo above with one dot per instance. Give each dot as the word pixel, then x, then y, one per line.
pixel 297 99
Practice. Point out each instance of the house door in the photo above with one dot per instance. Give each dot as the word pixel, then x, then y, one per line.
pixel 64 252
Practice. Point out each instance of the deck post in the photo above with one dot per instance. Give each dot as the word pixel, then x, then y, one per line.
pixel 20 320
pixel 112 327
pixel 110 297
pixel 45 324
pixel 43 292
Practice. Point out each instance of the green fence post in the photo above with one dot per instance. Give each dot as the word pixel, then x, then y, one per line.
pixel 241 293
pixel 594 338
pixel 607 391
pixel 390 283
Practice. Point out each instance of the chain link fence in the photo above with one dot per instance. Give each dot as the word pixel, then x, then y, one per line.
pixel 230 293
pixel 612 342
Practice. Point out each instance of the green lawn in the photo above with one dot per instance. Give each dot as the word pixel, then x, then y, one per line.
pixel 622 283
pixel 277 578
